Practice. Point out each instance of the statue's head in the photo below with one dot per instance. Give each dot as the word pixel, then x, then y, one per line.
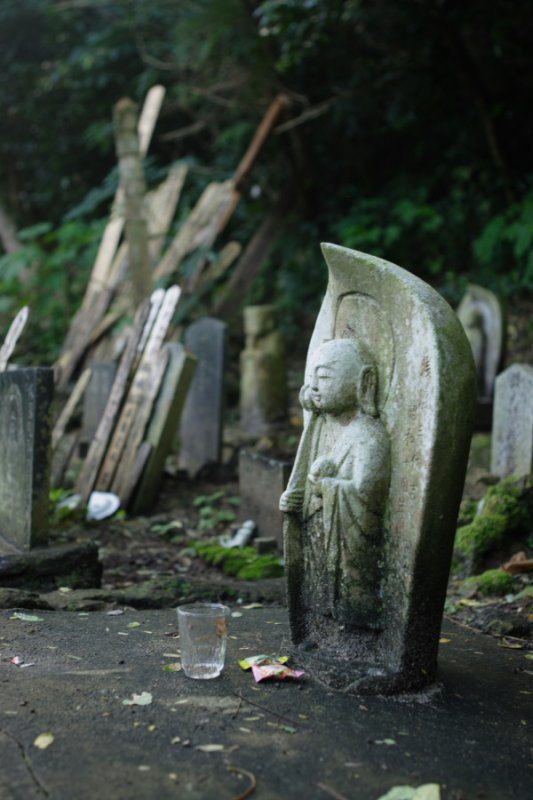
pixel 343 377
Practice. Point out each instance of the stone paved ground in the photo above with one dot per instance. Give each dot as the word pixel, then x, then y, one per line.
pixel 297 741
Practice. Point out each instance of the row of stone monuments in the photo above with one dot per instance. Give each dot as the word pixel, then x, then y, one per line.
pixel 370 507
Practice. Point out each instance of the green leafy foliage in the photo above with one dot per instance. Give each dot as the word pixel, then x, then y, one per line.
pixel 407 136
pixel 211 512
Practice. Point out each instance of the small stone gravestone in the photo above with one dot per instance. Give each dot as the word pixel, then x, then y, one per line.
pixel 164 422
pixel 95 400
pixel 481 315
pixel 200 438
pixel 512 432
pixel 371 505
pixel 25 398
pixel 263 372
pixel 261 481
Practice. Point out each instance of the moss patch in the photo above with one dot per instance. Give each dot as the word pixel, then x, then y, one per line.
pixel 241 561
pixel 500 512
pixel 492 582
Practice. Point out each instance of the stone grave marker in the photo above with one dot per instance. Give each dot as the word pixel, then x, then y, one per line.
pixel 95 400
pixel 371 505
pixel 512 432
pixel 164 422
pixel 263 372
pixel 200 437
pixel 261 482
pixel 481 315
pixel 25 398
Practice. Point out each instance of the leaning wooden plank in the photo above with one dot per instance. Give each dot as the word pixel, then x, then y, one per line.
pixel 145 128
pixel 70 406
pixel 138 387
pixel 62 456
pixel 239 177
pixel 163 424
pixel 200 228
pixel 99 292
pixel 273 112
pixel 162 204
pixel 141 462
pixel 249 264
pixel 13 335
pixel 134 189
pixel 89 471
pixel 144 405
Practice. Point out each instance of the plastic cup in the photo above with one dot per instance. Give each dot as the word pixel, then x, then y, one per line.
pixel 203 631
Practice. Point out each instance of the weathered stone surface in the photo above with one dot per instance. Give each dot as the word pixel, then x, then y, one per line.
pixel 512 433
pixel 25 398
pixel 164 422
pixel 372 501
pixel 18 598
pixel 95 398
pixel 46 568
pixel 261 481
pixel 481 315
pixel 200 438
pixel 263 372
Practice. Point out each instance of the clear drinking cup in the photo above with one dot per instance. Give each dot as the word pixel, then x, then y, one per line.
pixel 203 631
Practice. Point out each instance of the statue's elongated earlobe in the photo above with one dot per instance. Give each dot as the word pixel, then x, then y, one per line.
pixel 368 386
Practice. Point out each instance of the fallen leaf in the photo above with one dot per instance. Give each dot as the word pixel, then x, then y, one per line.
pixel 253 605
pixel 133 625
pixel 26 617
pixel 287 728
pixel 236 613
pixel 151 728
pixel 443 640
pixel 172 667
pixel 143 699
pixel 44 740
pixel 175 740
pixel 209 748
pixel 143 768
pixel 116 612
pixel 388 742
pixel 64 589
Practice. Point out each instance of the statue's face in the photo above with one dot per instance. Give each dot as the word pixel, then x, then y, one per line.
pixel 335 371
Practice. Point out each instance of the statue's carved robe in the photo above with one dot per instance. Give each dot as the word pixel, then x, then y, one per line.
pixel 342 526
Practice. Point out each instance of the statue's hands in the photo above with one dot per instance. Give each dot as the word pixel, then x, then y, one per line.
pixel 292 500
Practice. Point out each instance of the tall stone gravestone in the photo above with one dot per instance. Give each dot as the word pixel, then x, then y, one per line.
pixel 263 372
pixel 372 501
pixel 261 481
pixel 200 437
pixel 512 431
pixel 481 315
pixel 95 399
pixel 25 398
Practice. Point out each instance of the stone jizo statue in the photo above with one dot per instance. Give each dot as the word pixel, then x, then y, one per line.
pixel 371 505
pixel 340 485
